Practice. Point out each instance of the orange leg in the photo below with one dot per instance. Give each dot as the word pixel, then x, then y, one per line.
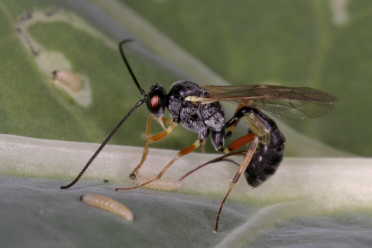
pixel 203 144
pixel 148 130
pixel 180 154
pixel 216 160
pixel 240 142
pixel 231 127
pixel 242 168
pixel 230 151
pixel 152 139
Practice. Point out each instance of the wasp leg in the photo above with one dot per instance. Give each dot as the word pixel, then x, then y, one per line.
pixel 203 146
pixel 230 151
pixel 231 125
pixel 215 160
pixel 240 142
pixel 152 139
pixel 259 125
pixel 243 167
pixel 180 154
pixel 145 152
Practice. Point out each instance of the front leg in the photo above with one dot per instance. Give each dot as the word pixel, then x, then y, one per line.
pixel 153 139
pixel 181 153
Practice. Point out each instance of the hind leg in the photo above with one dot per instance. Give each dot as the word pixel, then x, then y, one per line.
pixel 230 150
pixel 243 167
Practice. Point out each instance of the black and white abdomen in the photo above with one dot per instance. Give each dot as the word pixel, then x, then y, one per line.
pixel 199 118
pixel 267 158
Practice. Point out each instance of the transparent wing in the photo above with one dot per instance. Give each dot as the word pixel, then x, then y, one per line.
pixel 281 100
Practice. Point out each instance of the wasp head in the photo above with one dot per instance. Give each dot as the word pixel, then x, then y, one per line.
pixel 156 100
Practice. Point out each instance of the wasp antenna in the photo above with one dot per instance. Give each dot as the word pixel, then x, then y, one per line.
pixel 106 140
pixel 121 49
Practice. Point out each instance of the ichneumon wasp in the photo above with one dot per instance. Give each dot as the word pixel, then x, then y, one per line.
pixel 198 109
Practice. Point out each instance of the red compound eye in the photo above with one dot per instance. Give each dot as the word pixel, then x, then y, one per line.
pixel 155 101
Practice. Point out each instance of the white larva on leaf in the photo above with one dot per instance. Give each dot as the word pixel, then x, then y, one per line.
pixel 108 204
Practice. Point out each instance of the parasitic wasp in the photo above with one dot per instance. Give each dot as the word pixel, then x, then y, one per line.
pixel 198 109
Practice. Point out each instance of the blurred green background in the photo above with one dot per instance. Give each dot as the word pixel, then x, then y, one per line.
pixel 321 44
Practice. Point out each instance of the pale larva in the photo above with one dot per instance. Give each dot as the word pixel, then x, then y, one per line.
pixel 108 204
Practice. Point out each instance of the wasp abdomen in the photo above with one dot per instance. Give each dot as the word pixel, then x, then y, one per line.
pixel 268 156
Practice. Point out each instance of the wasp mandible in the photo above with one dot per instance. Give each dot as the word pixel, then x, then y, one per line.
pixel 198 109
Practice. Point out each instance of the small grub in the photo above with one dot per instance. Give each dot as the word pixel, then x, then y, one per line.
pixel 108 204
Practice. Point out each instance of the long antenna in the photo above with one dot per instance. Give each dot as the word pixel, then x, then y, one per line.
pixel 138 104
pixel 121 49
